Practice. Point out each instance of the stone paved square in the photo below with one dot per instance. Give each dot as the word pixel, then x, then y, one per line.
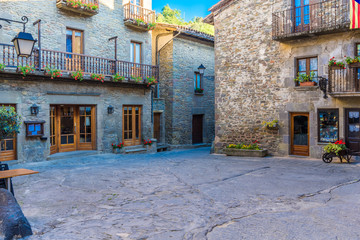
pixel 190 194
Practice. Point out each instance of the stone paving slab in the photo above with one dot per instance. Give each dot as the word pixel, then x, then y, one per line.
pixel 190 194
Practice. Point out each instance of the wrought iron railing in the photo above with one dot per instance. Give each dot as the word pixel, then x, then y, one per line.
pixel 317 18
pixel 71 62
pixel 135 12
pixel 344 80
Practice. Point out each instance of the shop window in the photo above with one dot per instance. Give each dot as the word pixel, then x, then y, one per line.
pixel 328 125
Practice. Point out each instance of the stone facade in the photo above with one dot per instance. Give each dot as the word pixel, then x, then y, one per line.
pixel 255 77
pixel 40 90
pixel 180 56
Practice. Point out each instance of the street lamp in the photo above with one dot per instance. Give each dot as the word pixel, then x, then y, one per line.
pixel 24 42
pixel 110 109
pixel 201 69
pixel 34 109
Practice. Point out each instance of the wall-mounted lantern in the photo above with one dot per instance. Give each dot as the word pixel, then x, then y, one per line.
pixel 201 69
pixel 34 109
pixel 110 109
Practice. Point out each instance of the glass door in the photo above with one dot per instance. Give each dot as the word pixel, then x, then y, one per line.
pixel 352 138
pixel 132 125
pixel 67 129
pixel 302 15
pixel 8 145
pixel 86 127
pixel 300 134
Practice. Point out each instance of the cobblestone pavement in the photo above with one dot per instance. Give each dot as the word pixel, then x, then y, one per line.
pixel 190 194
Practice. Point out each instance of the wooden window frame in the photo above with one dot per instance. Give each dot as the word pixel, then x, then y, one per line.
pixel 9 155
pixel 73 38
pixel 141 3
pixel 318 120
pixel 134 43
pixel 29 123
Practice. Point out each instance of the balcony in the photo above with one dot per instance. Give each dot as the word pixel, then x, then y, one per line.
pixel 70 62
pixel 316 19
pixel 344 82
pixel 83 7
pixel 138 17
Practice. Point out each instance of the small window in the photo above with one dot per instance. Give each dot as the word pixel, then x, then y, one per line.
pixel 197 83
pixel 307 66
pixel 74 41
pixel 328 125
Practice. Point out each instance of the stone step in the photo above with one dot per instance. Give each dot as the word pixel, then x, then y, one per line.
pixel 66 155
pixel 132 150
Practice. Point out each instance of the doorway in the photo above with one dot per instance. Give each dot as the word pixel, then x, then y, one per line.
pixel 352 129
pixel 72 128
pixel 8 145
pixel 300 134
pixel 157 124
pixel 197 129
pixel 132 125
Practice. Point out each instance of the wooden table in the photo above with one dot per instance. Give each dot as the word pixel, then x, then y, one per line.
pixel 8 174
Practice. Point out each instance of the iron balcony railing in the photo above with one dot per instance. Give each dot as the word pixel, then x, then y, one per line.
pixel 71 62
pixel 318 18
pixel 135 12
pixel 344 80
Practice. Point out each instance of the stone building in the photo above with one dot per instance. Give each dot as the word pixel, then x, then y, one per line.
pixel 184 112
pixel 64 114
pixel 261 46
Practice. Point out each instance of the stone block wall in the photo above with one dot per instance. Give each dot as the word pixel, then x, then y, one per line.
pixel 25 93
pixel 97 29
pixel 255 77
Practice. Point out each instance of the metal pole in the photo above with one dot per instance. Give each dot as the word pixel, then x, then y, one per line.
pixel 38 22
pixel 115 38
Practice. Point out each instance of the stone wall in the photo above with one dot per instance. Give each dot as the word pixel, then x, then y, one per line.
pixel 97 29
pixel 25 93
pixel 254 77
pixel 179 59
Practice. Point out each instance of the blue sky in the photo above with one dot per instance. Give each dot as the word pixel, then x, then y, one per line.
pixel 191 8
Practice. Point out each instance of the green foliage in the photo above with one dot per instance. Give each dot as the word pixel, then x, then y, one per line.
pixel 173 16
pixel 335 147
pixel 9 122
pixel 53 72
pixel 118 78
pixel 2 67
pixel 302 77
pixel 271 124
pixel 78 75
pixel 136 79
pixel 26 69
pixel 252 146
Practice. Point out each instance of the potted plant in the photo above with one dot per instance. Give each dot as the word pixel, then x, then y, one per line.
pixel 118 78
pixel 98 77
pixel 78 75
pixel 117 148
pixel 9 122
pixel 151 81
pixel 353 62
pixel 136 79
pixel 333 64
pixel 52 72
pixel 246 150
pixel 273 125
pixel 2 67
pixel 26 70
pixel 151 26
pixel 335 148
pixel 199 90
pixel 305 80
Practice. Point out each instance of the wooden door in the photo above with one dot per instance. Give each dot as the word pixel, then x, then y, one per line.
pixel 352 129
pixel 8 145
pixel 197 129
pixel 67 129
pixel 300 134
pixel 74 44
pixel 131 125
pixel 54 146
pixel 157 131
pixel 87 128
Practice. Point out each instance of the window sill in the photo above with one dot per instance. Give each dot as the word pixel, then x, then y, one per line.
pixel 199 94
pixel 307 88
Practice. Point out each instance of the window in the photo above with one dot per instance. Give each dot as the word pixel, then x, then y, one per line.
pixel 302 13
pixel 135 52
pixel 357 53
pixel 74 41
pixel 307 66
pixel 328 125
pixel 197 81
pixel 136 2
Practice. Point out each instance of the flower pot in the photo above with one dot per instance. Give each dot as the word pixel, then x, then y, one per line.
pixel 354 65
pixel 274 127
pixel 336 67
pixel 307 84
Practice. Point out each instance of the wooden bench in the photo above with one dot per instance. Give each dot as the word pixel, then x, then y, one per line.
pixel 8 174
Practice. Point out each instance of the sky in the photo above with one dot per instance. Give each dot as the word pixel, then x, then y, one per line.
pixel 190 8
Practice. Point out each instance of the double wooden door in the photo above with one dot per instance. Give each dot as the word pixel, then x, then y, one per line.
pixel 132 125
pixel 300 134
pixel 72 128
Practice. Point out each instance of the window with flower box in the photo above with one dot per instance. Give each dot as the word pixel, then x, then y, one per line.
pixel 328 126
pixel 198 88
pixel 307 66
